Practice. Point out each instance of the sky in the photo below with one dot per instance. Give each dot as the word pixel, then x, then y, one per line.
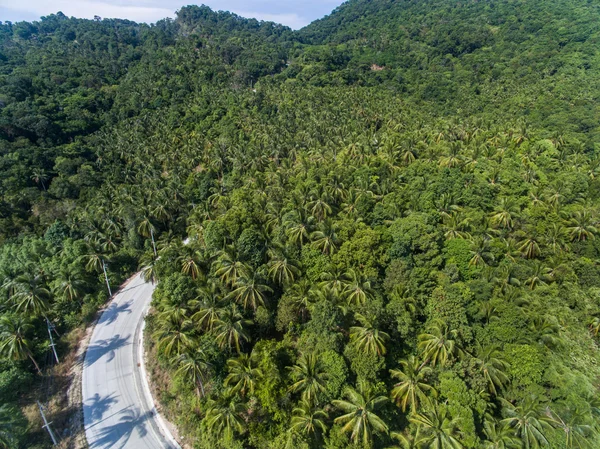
pixel 293 13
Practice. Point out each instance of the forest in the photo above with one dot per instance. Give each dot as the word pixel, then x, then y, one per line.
pixel 390 220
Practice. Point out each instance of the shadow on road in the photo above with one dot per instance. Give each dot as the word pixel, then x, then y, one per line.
pixel 112 312
pixel 97 406
pixel 105 347
pixel 117 435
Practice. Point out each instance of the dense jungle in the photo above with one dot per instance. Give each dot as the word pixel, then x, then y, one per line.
pixel 377 231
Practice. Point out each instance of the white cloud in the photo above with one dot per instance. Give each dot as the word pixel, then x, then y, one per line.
pixel 294 21
pixel 293 13
pixel 89 8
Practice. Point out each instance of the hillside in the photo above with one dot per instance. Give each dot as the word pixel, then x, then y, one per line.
pixel 393 219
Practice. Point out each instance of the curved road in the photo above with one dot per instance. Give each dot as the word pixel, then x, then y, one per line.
pixel 118 408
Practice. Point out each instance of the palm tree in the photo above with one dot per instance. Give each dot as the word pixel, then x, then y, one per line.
pixel 577 433
pixel 583 226
pixel 412 387
pixel 302 296
pixel 308 421
pixel 9 426
pixel 335 279
pixel 325 238
pixel 14 344
pixel 148 268
pixel 69 285
pixel 173 335
pixel 230 330
pixel 39 176
pixel 225 417
pixel 368 338
pixel 505 212
pixel 30 295
pixel 282 270
pixel 406 440
pixel 438 429
pixel 309 377
pixel 191 261
pixel 499 436
pixel 208 307
pixel 438 345
pixel 493 367
pixel 229 268
pixel 480 253
pixel 595 325
pixel 540 275
pixel 250 293
pixel 243 374
pixel 456 227
pixel 357 290
pixel 193 365
pixel 360 418
pixel 529 246
pixel 528 423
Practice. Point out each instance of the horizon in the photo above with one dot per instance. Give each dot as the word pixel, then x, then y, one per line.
pixel 294 14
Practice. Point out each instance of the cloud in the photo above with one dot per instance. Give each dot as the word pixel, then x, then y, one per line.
pixel 89 8
pixel 293 13
pixel 294 21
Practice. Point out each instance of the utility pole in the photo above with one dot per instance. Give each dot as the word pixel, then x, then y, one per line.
pixel 52 345
pixel 153 243
pixel 106 278
pixel 47 424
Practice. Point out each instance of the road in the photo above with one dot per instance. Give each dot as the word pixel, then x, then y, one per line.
pixel 118 408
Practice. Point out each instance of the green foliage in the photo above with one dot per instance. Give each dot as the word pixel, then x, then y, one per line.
pixel 402 193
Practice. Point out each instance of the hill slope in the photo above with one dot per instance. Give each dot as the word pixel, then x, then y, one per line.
pixel 393 210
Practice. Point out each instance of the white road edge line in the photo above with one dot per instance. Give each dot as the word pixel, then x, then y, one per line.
pixel 146 386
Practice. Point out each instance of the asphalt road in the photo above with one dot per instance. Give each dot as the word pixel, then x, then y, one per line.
pixel 117 405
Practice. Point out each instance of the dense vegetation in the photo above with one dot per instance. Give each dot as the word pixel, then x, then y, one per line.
pixel 391 213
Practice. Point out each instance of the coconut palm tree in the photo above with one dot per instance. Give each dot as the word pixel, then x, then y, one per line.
pixel 308 421
pixel 360 418
pixel 367 337
pixel 437 429
pixel 412 387
pixel 499 436
pixel 229 268
pixel 225 417
pixel 325 237
pixel 282 270
pixel 30 295
pixel 438 345
pixel 230 330
pixel 148 267
pixel 190 260
pixel 192 365
pixel 309 377
pixel 10 426
pixel 70 285
pixel 357 290
pixel 528 423
pixel 249 292
pixel 582 226
pixel 302 296
pixel 174 334
pixel 493 367
pixel 529 245
pixel 243 374
pixel 505 213
pixel 578 434
pixel 14 344
pixel 480 252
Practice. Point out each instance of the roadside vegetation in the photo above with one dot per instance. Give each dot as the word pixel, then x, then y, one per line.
pixel 392 218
